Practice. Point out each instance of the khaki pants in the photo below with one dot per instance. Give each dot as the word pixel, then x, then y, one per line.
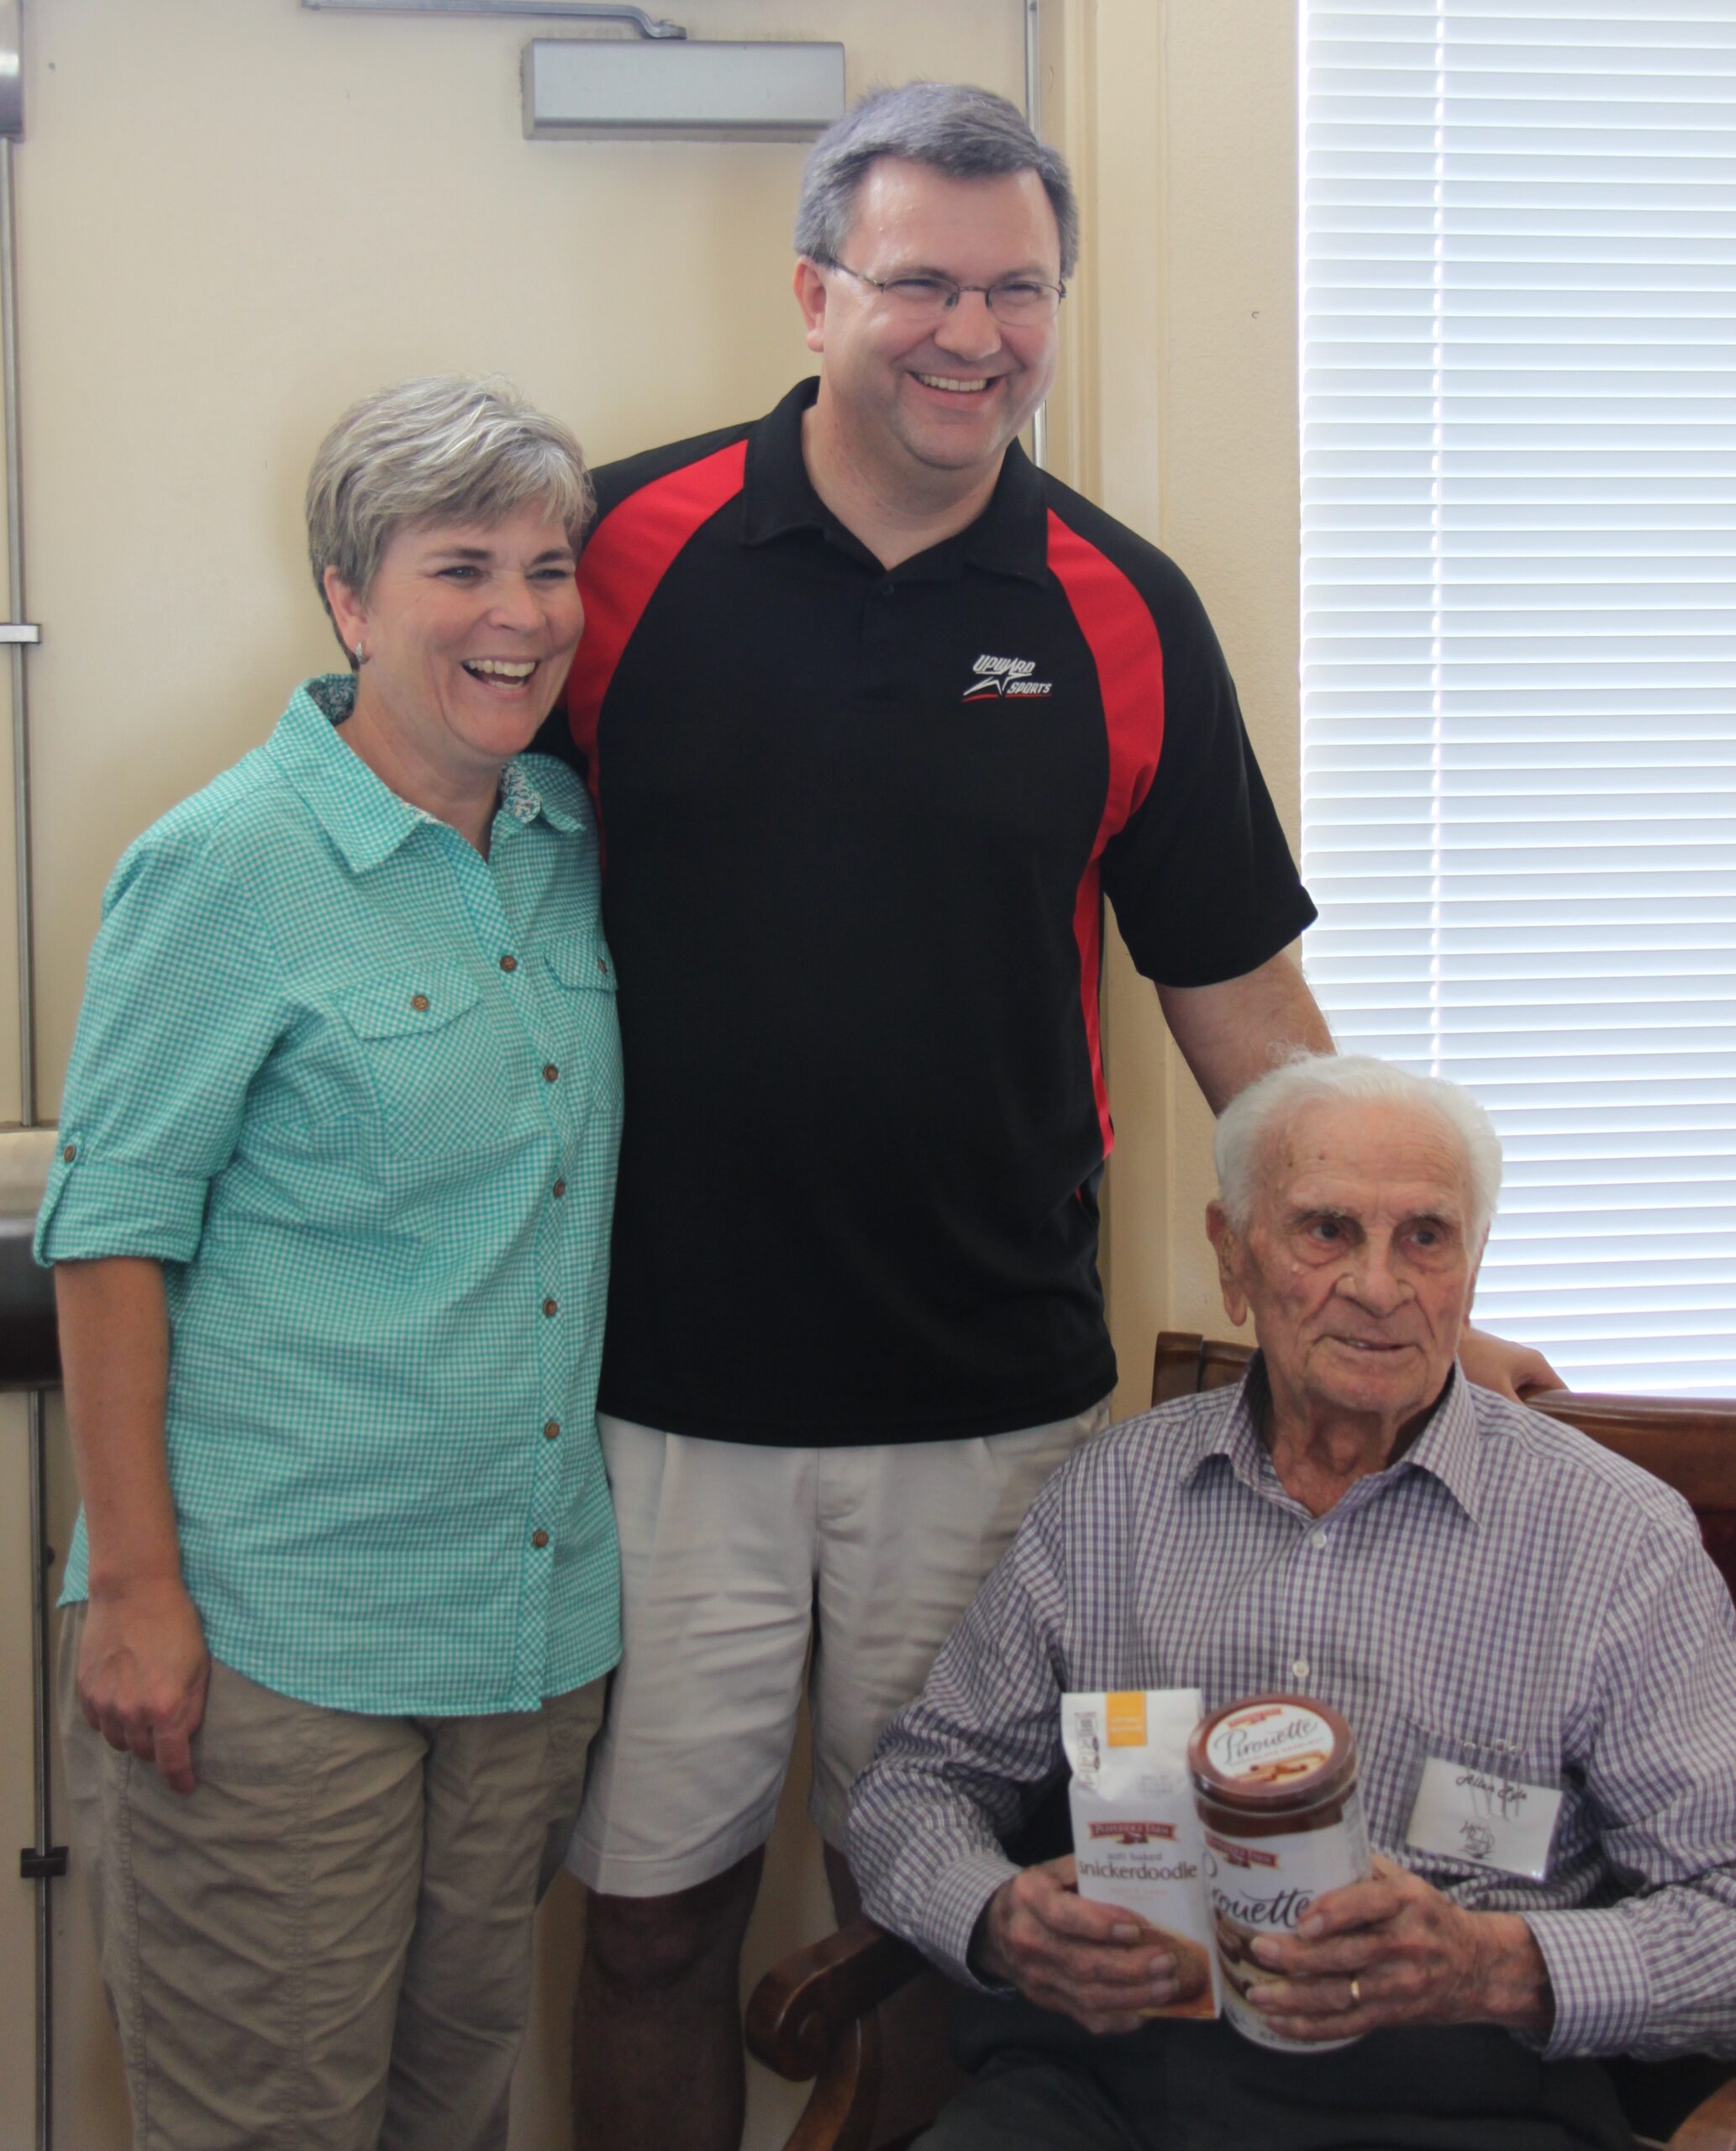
pixel 325 1947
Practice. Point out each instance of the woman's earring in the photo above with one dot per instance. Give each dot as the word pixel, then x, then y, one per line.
pixel 361 655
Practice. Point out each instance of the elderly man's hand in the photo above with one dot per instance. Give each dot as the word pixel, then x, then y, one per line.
pixel 1393 1950
pixel 1095 1963
pixel 1513 1370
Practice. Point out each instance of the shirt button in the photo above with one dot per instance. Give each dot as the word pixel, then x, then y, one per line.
pixel 418 1001
pixel 1316 1540
pixel 509 963
pixel 603 965
pixel 551 1306
pixel 1299 1669
pixel 549 1072
pixel 551 1428
pixel 69 1152
pixel 559 1187
pixel 540 1539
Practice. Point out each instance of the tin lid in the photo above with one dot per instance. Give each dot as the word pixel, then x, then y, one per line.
pixel 1271 1754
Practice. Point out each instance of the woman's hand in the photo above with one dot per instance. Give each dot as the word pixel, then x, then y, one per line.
pixel 142 1669
pixel 143 1666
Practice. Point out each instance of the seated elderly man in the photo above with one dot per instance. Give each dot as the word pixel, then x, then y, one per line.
pixel 1465 1580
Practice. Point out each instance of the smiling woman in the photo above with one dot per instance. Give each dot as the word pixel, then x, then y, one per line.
pixel 444 519
pixel 330 1220
pixel 462 640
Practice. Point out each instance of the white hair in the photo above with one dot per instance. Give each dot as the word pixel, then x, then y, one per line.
pixel 1249 1122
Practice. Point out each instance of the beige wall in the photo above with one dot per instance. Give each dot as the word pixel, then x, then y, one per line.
pixel 1209 431
pixel 235 214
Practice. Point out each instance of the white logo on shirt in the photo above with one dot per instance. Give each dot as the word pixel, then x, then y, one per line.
pixel 1002 676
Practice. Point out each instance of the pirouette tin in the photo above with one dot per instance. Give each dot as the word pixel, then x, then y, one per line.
pixel 1275 1780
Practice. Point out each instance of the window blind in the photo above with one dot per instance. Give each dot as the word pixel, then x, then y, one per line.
pixel 1518 402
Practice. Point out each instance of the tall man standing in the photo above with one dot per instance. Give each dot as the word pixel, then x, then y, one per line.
pixel 874 713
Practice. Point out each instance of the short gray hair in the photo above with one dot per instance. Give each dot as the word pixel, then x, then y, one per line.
pixel 1248 1124
pixel 439 448
pixel 953 127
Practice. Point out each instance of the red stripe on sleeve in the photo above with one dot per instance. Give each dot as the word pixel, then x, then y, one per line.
pixel 627 556
pixel 1123 641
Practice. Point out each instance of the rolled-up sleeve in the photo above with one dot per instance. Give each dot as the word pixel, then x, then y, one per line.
pixel 184 1001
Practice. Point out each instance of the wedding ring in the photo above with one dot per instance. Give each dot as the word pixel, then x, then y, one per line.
pixel 1356 1994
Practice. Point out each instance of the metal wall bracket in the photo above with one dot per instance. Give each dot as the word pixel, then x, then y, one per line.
pixel 35 1866
pixel 582 10
pixel 604 89
pixel 19 631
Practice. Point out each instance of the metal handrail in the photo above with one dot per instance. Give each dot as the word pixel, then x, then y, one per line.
pixel 41 1860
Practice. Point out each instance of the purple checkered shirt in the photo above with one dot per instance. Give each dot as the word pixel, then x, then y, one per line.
pixel 1508 1596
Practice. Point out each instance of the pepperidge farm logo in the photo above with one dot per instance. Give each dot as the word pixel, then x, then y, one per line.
pixel 1002 676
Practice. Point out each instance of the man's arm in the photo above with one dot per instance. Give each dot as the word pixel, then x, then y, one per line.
pixel 960 1768
pixel 1519 1371
pixel 143 1665
pixel 1242 1028
pixel 957 1769
pixel 948 1783
pixel 1652 1973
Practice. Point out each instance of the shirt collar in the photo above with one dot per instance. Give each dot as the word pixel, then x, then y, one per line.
pixel 363 816
pixel 1447 1449
pixel 1010 537
pixel 520 797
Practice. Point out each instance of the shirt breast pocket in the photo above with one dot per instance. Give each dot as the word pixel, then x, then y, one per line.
pixel 582 961
pixel 430 1055
pixel 585 971
pixel 1483 1810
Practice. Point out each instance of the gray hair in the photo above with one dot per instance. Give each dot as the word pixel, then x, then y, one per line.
pixel 441 449
pixel 952 127
pixel 1248 1124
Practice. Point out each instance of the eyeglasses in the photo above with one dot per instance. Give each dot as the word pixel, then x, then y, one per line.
pixel 1021 302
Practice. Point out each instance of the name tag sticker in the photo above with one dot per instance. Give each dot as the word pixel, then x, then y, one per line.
pixel 1479 1816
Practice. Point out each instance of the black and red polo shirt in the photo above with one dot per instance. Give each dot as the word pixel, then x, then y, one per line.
pixel 857 825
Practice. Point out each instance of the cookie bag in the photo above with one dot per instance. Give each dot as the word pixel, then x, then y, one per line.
pixel 1137 1839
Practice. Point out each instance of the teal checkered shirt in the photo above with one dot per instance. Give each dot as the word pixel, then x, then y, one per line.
pixel 358 1089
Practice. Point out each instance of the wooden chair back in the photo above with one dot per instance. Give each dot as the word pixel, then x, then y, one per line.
pixel 1690 1442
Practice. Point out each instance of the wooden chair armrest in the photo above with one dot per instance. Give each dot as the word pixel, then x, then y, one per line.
pixel 808 1999
pixel 1712 2126
pixel 842 2108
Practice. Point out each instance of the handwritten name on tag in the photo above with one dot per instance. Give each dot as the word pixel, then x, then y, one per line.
pixel 1484 1817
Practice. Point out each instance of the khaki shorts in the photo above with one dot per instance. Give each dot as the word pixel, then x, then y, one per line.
pixel 745 1569
pixel 326 1945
